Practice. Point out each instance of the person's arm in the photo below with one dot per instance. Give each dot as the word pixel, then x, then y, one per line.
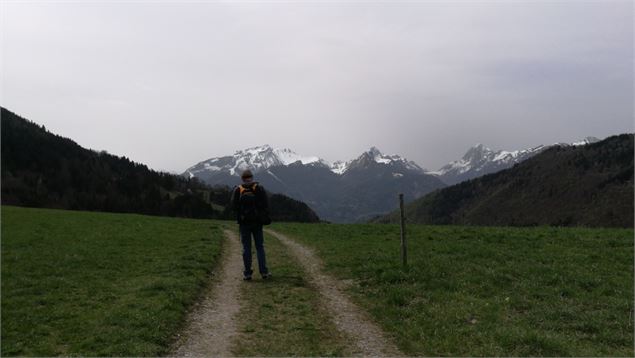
pixel 235 202
pixel 264 199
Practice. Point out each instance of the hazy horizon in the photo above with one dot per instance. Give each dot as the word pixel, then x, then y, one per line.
pixel 173 84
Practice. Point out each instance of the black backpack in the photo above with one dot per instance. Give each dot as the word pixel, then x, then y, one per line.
pixel 250 210
pixel 248 204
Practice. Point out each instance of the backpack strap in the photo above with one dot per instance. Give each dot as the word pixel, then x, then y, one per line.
pixel 244 188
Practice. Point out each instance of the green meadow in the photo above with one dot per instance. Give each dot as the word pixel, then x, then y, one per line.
pixel 98 284
pixel 487 291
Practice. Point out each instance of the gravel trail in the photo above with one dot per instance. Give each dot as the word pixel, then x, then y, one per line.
pixel 211 325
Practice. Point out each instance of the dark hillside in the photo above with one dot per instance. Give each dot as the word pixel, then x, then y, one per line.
pixel 41 169
pixel 288 209
pixel 590 185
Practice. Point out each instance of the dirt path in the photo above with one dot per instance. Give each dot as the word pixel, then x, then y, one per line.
pixel 368 338
pixel 211 325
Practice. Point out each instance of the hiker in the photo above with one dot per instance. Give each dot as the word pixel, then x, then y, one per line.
pixel 249 201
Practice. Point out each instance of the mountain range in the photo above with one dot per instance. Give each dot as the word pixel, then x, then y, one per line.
pixel 357 189
pixel 586 185
pixel 259 159
pixel 340 192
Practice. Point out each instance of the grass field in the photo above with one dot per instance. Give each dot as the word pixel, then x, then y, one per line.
pixel 96 284
pixel 80 283
pixel 472 291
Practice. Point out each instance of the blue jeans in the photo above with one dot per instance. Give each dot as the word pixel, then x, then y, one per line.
pixel 246 231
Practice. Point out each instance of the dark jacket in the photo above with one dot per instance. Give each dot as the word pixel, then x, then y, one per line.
pixel 262 204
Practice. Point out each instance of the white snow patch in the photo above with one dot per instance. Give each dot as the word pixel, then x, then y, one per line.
pixel 212 167
pixel 287 156
pixel 585 141
pixel 339 167
pixel 382 159
pixel 505 155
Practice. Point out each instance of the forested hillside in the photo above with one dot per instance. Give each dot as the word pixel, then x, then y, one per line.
pixel 41 169
pixel 590 185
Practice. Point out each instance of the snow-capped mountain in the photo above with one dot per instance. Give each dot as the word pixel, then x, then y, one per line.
pixel 342 192
pixel 480 160
pixel 256 159
pixel 261 158
pixel 375 157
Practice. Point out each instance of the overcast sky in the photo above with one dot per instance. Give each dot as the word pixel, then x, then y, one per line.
pixel 170 84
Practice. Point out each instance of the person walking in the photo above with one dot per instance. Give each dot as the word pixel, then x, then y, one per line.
pixel 249 201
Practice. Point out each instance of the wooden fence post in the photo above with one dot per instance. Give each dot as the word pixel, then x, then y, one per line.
pixel 404 244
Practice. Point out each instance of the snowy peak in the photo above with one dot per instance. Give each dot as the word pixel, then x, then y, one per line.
pixel 257 159
pixel 374 156
pixel 480 160
pixel 477 152
pixel 265 156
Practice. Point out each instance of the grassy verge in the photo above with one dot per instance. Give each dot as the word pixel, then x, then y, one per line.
pixel 98 284
pixel 282 316
pixel 473 291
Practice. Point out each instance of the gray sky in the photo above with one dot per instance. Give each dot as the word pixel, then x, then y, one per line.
pixel 171 84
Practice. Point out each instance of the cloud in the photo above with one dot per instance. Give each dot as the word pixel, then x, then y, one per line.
pixel 170 84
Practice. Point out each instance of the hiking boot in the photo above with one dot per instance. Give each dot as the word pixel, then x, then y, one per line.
pixel 266 276
pixel 246 278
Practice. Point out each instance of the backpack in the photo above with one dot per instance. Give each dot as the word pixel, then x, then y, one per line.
pixel 250 209
pixel 248 205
